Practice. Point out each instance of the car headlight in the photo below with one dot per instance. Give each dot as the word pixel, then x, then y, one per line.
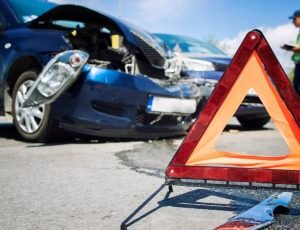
pixel 60 72
pixel 198 65
pixel 61 69
pixel 54 79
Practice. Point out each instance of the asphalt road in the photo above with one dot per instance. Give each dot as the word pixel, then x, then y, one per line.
pixel 95 184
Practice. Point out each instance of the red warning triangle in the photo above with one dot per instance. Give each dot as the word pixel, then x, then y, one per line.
pixel 253 66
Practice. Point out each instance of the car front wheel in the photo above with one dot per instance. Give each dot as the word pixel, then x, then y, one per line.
pixel 253 122
pixel 33 123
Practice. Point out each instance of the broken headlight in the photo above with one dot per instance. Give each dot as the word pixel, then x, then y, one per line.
pixel 54 79
pixel 60 72
pixel 197 65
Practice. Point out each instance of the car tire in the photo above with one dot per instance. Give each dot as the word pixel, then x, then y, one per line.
pixel 36 123
pixel 253 122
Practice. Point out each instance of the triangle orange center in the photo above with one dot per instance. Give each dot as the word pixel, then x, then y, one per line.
pixel 252 76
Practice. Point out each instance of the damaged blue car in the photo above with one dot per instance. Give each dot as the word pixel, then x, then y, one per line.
pixel 67 67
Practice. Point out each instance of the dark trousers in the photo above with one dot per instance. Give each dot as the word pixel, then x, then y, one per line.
pixel 297 78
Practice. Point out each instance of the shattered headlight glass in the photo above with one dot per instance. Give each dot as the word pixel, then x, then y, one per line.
pixel 197 65
pixel 54 79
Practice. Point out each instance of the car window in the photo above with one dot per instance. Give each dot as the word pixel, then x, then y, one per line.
pixel 197 47
pixel 26 10
pixel 189 45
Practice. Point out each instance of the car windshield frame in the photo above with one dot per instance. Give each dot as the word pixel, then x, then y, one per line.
pixel 26 11
pixel 188 45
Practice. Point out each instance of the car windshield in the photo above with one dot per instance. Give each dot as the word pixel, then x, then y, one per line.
pixel 28 10
pixel 189 45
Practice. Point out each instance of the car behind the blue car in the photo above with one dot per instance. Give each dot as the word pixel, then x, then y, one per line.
pixel 204 64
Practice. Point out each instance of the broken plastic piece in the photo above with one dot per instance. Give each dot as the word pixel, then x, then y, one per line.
pixel 260 215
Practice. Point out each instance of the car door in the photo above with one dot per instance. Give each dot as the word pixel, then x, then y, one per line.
pixel 7 20
pixel 2 29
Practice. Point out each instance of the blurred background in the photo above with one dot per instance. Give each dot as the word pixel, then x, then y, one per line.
pixel 223 23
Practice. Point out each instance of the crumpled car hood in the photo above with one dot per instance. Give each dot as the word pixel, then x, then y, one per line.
pixel 71 12
pixel 85 15
pixel 82 14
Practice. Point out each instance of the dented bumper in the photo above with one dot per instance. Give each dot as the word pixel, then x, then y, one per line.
pixel 115 104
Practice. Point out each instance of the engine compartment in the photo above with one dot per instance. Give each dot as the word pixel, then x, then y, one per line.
pixel 108 48
pixel 98 43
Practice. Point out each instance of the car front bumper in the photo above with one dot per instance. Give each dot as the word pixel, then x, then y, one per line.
pixel 114 104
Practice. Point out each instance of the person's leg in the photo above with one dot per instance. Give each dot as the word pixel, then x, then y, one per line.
pixel 297 78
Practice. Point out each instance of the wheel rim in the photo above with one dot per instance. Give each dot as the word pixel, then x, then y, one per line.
pixel 29 119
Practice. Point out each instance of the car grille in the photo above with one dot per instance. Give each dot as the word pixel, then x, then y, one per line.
pixel 110 109
pixel 144 118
